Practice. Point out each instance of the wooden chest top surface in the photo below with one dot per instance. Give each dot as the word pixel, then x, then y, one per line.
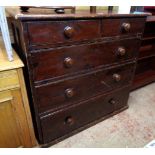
pixel 43 14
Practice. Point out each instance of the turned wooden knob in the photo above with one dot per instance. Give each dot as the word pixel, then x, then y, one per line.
pixel 117 77
pixel 69 31
pixel 24 8
pixel 69 92
pixel 69 120
pixel 60 11
pixel 126 27
pixel 112 101
pixel 68 62
pixel 121 51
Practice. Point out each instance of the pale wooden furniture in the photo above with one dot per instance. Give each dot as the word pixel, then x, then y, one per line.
pixel 16 129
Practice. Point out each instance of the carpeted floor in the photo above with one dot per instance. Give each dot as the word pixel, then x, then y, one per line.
pixel 134 127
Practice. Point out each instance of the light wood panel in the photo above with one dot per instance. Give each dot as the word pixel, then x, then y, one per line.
pixel 9 131
pixel 8 80
pixel 16 129
pixel 7 65
pixel 26 107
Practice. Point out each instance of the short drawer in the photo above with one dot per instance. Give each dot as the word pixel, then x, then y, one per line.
pixel 8 80
pixel 124 26
pixel 73 90
pixel 46 33
pixel 58 124
pixel 65 61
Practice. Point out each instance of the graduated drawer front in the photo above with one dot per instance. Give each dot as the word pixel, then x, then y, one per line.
pixel 58 124
pixel 8 80
pixel 66 61
pixel 114 27
pixel 44 33
pixel 70 91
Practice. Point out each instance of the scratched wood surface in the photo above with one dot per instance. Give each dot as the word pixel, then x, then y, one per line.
pixel 65 73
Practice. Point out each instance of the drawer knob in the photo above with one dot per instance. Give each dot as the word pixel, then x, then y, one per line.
pixel 68 62
pixel 69 31
pixel 117 77
pixel 112 101
pixel 126 27
pixel 69 120
pixel 121 51
pixel 69 92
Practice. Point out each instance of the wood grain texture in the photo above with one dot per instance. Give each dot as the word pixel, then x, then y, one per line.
pixel 53 96
pixel 49 64
pixel 8 138
pixel 147 49
pixel 81 115
pixel 145 71
pixel 27 111
pixel 9 80
pixel 21 119
pixel 55 32
pixel 41 14
pixel 14 124
pixel 74 66
pixel 116 28
pixel 46 34
pixel 7 65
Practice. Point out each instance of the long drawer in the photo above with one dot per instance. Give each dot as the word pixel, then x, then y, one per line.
pixel 65 61
pixel 58 124
pixel 70 91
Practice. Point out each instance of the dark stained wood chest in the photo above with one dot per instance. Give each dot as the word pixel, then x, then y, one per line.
pixel 145 71
pixel 79 67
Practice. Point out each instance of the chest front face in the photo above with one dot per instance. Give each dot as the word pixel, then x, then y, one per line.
pixel 80 70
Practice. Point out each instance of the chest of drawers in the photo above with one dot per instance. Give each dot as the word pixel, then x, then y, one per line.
pixel 79 67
